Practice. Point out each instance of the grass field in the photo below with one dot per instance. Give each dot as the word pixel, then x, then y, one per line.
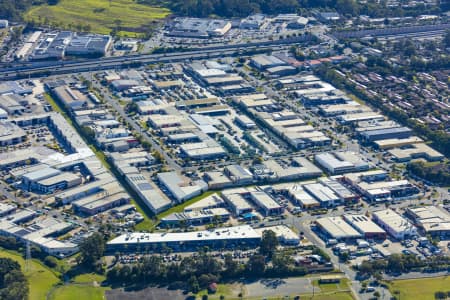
pixel 101 15
pixel 40 278
pixel 423 288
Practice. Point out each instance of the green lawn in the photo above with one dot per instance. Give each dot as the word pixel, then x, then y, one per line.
pixel 101 15
pixel 423 288
pixel 40 278
pixel 180 208
pixel 84 286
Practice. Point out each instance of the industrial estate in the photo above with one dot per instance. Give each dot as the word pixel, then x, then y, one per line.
pixel 280 145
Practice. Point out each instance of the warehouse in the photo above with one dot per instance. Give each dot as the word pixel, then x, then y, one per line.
pixel 13 104
pixel 282 71
pixel 61 181
pixel 4 23
pixel 343 193
pixel 285 235
pixel 235 200
pixel 336 228
pixel 197 217
pixel 217 180
pixel 239 175
pixel 433 220
pixel 394 224
pixel 100 202
pixel 72 99
pixel 150 195
pixel 332 164
pixel 301 198
pixel 263 62
pixel 415 151
pixel 6 209
pixel 388 133
pixel 82 191
pixel 358 117
pixel 209 149
pixel 323 194
pixel 386 190
pixel 230 237
pixel 342 109
pixel 181 188
pixel 266 204
pixel 392 143
pixel 366 227
pixel 11 134
pixel 244 122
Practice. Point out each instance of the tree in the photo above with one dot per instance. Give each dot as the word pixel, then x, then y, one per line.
pixel 92 249
pixel 446 40
pixel 256 265
pixel 231 266
pixel 50 261
pixel 193 285
pixel 269 243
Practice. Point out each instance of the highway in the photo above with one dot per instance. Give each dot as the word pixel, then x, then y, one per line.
pixel 41 69
pixel 392 31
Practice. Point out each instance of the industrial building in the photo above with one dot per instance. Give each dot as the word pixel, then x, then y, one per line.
pixel 197 217
pixel 336 228
pixel 433 220
pixel 4 23
pixel 266 204
pixel 181 188
pixel 388 133
pixel 394 224
pixel 100 202
pixel 302 198
pixel 208 149
pixel 230 237
pixel 149 194
pixel 198 28
pixel 41 234
pixel 341 162
pixel 11 134
pixel 326 196
pixel 366 227
pixel 285 235
pixel 238 174
pixel 217 180
pixel 264 62
pixel 235 200
pixel 13 104
pixel 415 151
pixel 70 98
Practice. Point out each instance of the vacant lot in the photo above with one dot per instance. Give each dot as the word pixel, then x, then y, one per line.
pixel 101 16
pixel 423 288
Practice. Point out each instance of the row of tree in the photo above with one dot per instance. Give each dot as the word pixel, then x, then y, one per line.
pixel 401 263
